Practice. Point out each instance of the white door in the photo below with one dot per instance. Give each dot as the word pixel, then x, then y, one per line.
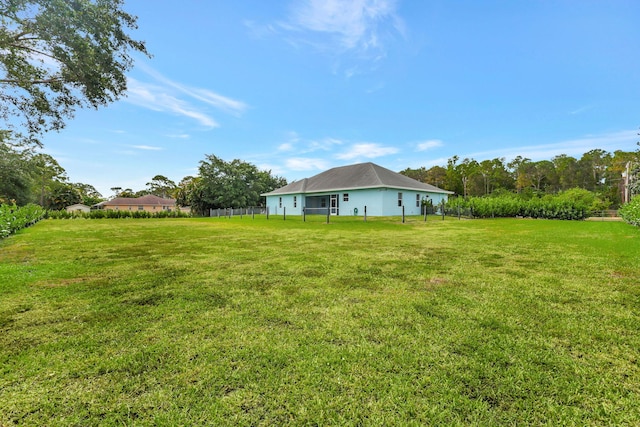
pixel 334 204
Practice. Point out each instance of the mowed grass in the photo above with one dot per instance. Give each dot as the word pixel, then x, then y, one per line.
pixel 254 322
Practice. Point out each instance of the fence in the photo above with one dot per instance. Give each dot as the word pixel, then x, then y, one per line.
pixel 428 211
pixel 241 212
pixel 324 214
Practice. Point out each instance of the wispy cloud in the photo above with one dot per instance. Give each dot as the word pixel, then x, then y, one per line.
pixel 572 147
pixel 306 163
pixel 428 145
pixel 581 110
pixel 166 95
pixel 366 150
pixel 285 146
pixel 355 33
pixel 301 145
pixel 147 147
pixel 155 98
pixel 178 135
pixel 351 24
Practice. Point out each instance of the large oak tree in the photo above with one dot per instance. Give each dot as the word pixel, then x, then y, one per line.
pixel 59 55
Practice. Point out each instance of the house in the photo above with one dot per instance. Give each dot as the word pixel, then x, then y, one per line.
pixel 149 203
pixel 78 207
pixel 347 190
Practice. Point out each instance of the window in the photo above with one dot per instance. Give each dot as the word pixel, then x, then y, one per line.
pixel 280 202
pixel 345 197
pixel 295 201
pixel 399 199
pixel 140 208
pixel 323 203
pixel 417 200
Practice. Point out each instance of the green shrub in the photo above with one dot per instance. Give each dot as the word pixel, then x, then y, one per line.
pixel 512 205
pixel 114 214
pixel 13 218
pixel 630 212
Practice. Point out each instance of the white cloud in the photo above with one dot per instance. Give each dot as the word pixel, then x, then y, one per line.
pixel 581 110
pixel 366 150
pixel 573 147
pixel 147 147
pixel 166 95
pixel 428 145
pixel 179 135
pixel 205 95
pixel 353 24
pixel 354 33
pixel 305 164
pixel 324 144
pixel 155 98
pixel 286 146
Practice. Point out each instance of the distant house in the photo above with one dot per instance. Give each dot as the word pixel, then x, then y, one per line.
pixel 149 203
pixel 347 190
pixel 78 207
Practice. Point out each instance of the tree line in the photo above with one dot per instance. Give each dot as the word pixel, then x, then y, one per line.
pixel 219 184
pixel 608 175
pixel 86 50
pixel 30 177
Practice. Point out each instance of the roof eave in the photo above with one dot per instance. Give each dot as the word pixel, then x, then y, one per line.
pixel 329 190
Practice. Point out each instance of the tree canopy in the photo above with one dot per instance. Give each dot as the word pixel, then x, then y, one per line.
pixel 28 177
pixel 58 55
pixel 223 184
pixel 597 171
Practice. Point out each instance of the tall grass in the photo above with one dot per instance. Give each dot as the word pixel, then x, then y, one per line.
pixel 253 322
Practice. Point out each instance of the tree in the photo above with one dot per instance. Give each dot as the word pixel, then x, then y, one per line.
pixel 188 194
pixel 541 174
pixel 90 196
pixel 15 175
pixel 61 195
pixel 467 169
pixel 417 174
pixel 58 55
pixel 236 184
pixel 519 168
pixel 592 167
pixel 567 171
pixel 161 186
pixel 436 175
pixel 453 181
pixel 46 171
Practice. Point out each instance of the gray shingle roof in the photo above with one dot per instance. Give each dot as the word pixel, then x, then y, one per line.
pixel 358 176
pixel 149 199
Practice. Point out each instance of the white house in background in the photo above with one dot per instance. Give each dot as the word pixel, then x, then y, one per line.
pixel 347 190
pixel 78 207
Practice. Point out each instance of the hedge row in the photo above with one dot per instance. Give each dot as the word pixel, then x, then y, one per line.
pixel 513 206
pixel 630 212
pixel 98 214
pixel 14 218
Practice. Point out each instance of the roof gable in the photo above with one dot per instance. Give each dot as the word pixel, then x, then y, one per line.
pixel 352 177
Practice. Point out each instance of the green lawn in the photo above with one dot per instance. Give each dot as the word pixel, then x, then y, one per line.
pixel 255 322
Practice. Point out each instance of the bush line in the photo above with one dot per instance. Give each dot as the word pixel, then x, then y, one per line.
pixel 99 214
pixel 630 212
pixel 14 218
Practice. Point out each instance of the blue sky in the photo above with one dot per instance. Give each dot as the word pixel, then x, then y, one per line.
pixel 297 87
